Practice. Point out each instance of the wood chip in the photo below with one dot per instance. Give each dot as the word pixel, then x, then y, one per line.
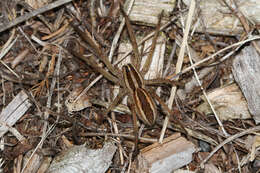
pixel 218 20
pixel 146 12
pixel 14 111
pixel 173 153
pixel 229 103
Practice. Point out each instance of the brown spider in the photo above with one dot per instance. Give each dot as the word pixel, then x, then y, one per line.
pixel 130 79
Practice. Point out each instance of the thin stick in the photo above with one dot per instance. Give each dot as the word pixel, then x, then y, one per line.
pixel 242 20
pixel 207 98
pixel 33 13
pixel 179 64
pixel 141 139
pixel 212 56
pixel 231 138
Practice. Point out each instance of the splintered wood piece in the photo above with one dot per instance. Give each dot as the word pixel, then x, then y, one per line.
pixel 228 101
pixel 246 69
pixel 14 111
pixel 173 153
pixel 217 18
pixel 146 12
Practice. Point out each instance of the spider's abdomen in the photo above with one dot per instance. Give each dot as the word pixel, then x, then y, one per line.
pixel 145 106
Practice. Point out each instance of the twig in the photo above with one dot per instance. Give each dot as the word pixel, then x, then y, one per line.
pixel 33 13
pixel 242 20
pixel 212 56
pixel 53 84
pixel 141 139
pixel 4 51
pixel 39 145
pixel 206 96
pixel 231 138
pixel 179 64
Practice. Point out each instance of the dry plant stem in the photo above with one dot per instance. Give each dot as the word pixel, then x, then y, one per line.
pixel 93 14
pixel 6 50
pixel 242 20
pixel 3 88
pixel 41 17
pixel 27 38
pixel 230 139
pixel 59 19
pixel 179 63
pixel 34 13
pixel 61 30
pixel 175 76
pixel 14 131
pixel 206 96
pixel 10 39
pixel 39 145
pixel 141 139
pixel 116 132
pixel 48 105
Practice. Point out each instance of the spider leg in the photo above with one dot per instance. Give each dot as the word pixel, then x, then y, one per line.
pixel 152 49
pixel 86 36
pixel 166 109
pixel 115 102
pixel 92 63
pixel 134 116
pixel 137 59
pixel 162 81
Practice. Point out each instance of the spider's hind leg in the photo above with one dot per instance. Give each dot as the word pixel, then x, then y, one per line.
pixel 115 102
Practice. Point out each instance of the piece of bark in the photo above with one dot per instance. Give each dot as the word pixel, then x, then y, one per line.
pixel 81 159
pixel 14 111
pixel 173 153
pixel 228 101
pixel 246 70
pixel 218 19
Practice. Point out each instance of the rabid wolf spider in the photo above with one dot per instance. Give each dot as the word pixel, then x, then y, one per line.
pixel 141 100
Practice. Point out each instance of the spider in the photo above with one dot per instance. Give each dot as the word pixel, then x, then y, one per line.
pixel 141 100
